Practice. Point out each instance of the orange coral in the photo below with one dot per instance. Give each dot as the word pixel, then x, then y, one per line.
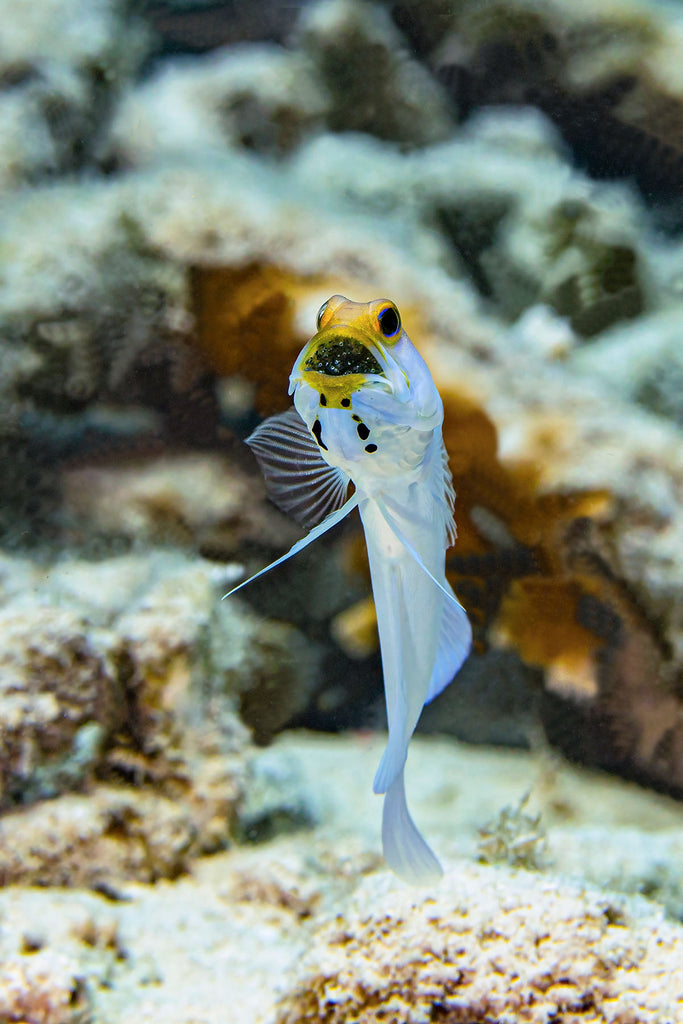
pixel 500 505
pixel 244 324
pixel 538 617
pixel 528 595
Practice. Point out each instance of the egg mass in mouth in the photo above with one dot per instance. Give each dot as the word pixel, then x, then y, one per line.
pixel 340 356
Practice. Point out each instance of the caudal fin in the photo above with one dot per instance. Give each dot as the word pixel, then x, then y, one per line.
pixel 393 760
pixel 405 851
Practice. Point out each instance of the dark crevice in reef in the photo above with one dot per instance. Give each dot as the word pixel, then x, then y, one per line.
pixel 619 129
pixel 601 144
pixel 199 27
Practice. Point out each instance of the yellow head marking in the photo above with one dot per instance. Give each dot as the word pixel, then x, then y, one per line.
pixel 335 392
pixel 379 320
pixel 350 345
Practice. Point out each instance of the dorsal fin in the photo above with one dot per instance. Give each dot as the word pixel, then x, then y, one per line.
pixel 449 496
pixel 298 480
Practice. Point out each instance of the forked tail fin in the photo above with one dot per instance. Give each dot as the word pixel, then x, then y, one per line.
pixel 405 851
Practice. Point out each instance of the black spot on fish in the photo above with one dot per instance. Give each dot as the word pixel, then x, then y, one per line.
pixel 317 432
pixel 371 448
pixel 323 399
pixel 346 402
pixel 363 432
pixel 340 356
pixel 356 418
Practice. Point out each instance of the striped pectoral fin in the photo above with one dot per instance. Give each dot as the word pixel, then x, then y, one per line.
pixel 405 850
pixel 298 480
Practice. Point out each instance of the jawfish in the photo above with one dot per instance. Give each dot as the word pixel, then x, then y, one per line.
pixel 367 412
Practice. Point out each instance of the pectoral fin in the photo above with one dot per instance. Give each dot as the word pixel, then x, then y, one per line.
pixel 331 520
pixel 298 480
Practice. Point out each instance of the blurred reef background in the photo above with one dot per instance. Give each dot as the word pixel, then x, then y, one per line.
pixel 182 184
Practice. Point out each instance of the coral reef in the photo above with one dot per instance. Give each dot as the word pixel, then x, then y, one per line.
pixel 374 84
pixel 123 681
pixel 168 229
pixel 574 245
pixel 193 26
pixel 43 988
pixel 113 834
pixel 264 99
pixel 485 949
pixel 599 830
pixel 608 77
pixel 259 928
pixel 184 288
pixel 61 700
pixel 277 799
pixel 61 76
pixel 193 500
pixel 641 362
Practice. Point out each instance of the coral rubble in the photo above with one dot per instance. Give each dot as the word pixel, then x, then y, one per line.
pixel 311 926
pixel 488 948
pixel 122 704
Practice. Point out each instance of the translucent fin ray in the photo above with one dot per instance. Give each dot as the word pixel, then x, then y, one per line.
pixel 331 520
pixel 455 640
pixel 405 850
pixel 298 480
pixel 447 590
pixel 449 496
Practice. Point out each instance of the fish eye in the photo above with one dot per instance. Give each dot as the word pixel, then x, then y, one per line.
pixel 389 322
pixel 320 314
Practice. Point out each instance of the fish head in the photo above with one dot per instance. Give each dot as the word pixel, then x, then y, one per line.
pixel 357 346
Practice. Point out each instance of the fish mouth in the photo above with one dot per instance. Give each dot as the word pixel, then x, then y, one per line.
pixel 341 355
pixel 341 352
pixel 338 362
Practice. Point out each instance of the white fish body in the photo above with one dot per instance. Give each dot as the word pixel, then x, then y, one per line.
pixel 367 410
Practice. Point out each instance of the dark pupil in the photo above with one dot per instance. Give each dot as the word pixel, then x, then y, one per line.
pixel 389 322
